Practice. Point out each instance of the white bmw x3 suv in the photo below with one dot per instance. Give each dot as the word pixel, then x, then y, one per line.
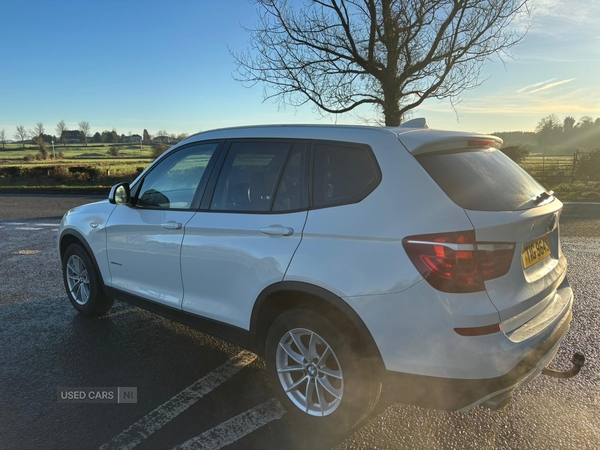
pixel 350 257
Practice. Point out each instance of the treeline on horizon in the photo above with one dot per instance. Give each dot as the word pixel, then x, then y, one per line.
pixel 554 136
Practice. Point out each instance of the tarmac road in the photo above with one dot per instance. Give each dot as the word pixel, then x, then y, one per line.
pixel 195 391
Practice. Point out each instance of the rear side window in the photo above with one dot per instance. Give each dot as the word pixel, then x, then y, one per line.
pixel 292 192
pixel 249 176
pixel 483 180
pixel 343 174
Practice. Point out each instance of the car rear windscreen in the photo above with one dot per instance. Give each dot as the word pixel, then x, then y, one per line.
pixel 482 180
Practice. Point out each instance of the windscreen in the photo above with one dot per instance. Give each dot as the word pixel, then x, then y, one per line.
pixel 482 180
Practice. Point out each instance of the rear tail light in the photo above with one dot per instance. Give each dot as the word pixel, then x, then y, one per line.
pixel 455 262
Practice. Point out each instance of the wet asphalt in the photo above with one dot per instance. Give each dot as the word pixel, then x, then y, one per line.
pixel 45 344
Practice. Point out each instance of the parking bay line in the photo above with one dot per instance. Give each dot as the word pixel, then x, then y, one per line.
pixel 166 412
pixel 235 428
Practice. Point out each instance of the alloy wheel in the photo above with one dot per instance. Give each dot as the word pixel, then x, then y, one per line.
pixel 310 372
pixel 78 280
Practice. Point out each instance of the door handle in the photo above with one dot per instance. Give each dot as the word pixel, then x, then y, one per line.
pixel 171 225
pixel 277 230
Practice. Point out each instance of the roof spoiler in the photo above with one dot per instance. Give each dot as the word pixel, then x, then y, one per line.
pixel 459 143
pixel 420 122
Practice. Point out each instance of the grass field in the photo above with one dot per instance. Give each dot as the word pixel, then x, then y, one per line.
pixel 15 152
pixel 75 166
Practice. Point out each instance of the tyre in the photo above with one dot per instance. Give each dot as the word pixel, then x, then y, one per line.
pixel 317 372
pixel 83 283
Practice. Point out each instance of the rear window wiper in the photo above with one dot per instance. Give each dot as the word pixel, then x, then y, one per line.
pixel 543 196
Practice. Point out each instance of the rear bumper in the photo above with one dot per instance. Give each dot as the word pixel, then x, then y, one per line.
pixel 453 394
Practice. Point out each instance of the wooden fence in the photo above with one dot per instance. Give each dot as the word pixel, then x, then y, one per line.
pixel 557 169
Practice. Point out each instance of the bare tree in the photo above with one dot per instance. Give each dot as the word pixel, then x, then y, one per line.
pixel 37 134
pixel 61 128
pixel 3 138
pixel 38 130
pixel 21 134
pixel 84 127
pixel 390 54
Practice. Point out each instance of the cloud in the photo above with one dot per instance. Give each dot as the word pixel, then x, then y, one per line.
pixel 578 101
pixel 535 85
pixel 551 85
pixel 565 15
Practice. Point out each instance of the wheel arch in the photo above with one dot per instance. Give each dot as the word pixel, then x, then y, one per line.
pixel 282 296
pixel 70 236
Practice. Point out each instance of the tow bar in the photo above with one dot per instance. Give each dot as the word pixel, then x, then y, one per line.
pixel 578 361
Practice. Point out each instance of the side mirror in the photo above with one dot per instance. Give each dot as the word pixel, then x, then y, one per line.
pixel 120 194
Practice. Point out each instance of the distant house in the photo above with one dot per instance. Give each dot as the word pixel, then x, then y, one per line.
pixel 73 141
pixel 164 140
pixel 134 138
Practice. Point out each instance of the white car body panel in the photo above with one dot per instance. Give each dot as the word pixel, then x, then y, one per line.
pixel 145 258
pixel 227 262
pixel 414 331
pixel 82 220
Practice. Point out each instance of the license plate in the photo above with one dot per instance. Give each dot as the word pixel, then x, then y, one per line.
pixel 534 251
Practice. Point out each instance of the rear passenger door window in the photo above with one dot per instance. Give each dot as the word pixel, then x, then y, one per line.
pixel 249 176
pixel 292 192
pixel 343 174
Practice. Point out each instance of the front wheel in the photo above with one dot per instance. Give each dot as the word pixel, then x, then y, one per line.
pixel 83 284
pixel 317 372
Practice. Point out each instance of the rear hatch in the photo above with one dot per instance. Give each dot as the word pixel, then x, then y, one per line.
pixel 505 205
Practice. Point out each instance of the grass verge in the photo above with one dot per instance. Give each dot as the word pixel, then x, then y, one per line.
pixel 578 191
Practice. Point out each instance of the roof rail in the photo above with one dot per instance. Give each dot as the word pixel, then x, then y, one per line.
pixel 420 122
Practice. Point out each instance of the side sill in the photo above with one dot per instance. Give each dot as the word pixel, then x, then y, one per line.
pixel 230 333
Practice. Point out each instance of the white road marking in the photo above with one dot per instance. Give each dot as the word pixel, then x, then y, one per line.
pixel 30 226
pixel 166 412
pixel 235 428
pixel 27 252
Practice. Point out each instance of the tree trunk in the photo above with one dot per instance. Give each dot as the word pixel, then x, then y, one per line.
pixel 392 116
pixel 391 107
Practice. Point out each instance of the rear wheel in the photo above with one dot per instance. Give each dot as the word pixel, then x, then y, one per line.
pixel 318 373
pixel 83 284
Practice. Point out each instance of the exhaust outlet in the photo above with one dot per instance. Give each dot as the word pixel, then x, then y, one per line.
pixel 578 361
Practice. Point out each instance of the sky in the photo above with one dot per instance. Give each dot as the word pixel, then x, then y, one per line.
pixel 166 65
